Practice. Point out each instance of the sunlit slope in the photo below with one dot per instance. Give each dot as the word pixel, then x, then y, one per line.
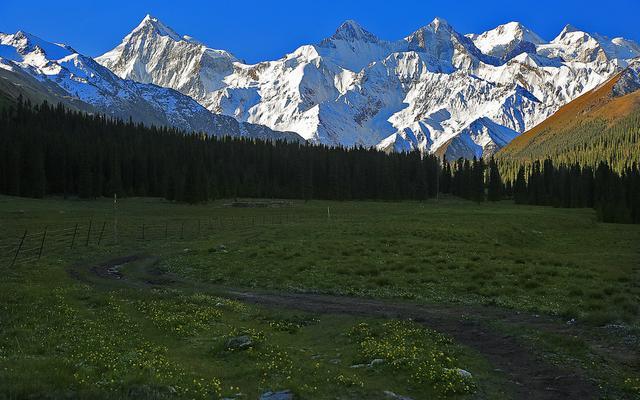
pixel 603 124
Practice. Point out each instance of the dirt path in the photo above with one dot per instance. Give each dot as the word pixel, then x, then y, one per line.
pixel 529 376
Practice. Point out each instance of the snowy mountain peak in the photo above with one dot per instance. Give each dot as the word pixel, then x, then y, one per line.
pixel 620 41
pixel 436 28
pixel 518 31
pixel 513 26
pixel 147 19
pixel 23 36
pixel 507 41
pixel 351 31
pixel 151 24
pixel 351 47
pixel 573 44
pixel 573 35
pixel 439 23
pixel 26 43
pixel 568 28
pixel 447 48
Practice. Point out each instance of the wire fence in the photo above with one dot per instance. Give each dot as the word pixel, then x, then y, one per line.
pixel 32 244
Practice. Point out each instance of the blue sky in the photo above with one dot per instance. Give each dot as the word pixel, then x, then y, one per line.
pixel 262 30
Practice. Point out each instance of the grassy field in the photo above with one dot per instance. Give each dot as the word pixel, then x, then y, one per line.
pixel 78 336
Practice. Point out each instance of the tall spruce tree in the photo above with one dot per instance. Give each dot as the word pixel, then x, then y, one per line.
pixel 520 188
pixel 495 184
pixel 477 180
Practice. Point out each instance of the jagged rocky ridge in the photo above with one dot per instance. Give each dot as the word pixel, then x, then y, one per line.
pixel 40 70
pixel 436 90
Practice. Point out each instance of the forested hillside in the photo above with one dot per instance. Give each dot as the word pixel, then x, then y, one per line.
pixel 51 150
pixel 586 144
pixel 602 125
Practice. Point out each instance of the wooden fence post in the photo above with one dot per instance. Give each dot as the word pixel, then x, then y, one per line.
pixel 19 247
pixel 75 232
pixel 182 231
pixel 44 235
pixel 88 233
pixel 104 223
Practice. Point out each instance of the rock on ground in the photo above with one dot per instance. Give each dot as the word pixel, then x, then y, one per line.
pixel 281 395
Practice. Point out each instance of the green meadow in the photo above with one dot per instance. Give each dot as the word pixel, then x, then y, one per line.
pixel 169 322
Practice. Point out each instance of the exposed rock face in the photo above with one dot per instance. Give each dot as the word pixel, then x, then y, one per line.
pixel 629 80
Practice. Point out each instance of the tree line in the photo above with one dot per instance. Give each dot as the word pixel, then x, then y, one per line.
pixel 615 196
pixel 49 150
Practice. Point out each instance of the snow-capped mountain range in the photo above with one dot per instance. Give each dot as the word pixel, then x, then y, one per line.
pixel 436 90
pixel 57 72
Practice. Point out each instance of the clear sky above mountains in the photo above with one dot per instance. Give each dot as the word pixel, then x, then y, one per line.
pixel 261 30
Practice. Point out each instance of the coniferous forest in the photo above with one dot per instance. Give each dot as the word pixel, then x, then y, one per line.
pixel 49 150
pixel 588 143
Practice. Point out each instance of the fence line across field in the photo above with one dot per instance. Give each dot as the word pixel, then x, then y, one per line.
pixel 30 246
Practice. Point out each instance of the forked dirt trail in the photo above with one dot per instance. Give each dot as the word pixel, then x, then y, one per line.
pixel 528 376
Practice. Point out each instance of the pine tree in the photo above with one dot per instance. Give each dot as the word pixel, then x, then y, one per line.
pixel 85 177
pixel 495 182
pixel 520 193
pixel 477 180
